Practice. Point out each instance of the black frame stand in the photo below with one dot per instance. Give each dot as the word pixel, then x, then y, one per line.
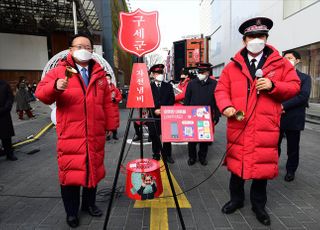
pixel 115 181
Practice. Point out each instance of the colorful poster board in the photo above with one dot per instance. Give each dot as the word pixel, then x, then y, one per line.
pixel 186 124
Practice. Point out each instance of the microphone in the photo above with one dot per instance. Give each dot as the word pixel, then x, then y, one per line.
pixel 259 74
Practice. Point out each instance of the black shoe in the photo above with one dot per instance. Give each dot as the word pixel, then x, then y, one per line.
pixel 92 210
pixel 136 138
pixel 156 157
pixel 191 161
pixel 289 177
pixel 11 157
pixel 115 138
pixel 262 216
pixel 73 221
pixel 108 138
pixel 203 162
pixel 231 207
pixel 170 160
pixel 149 139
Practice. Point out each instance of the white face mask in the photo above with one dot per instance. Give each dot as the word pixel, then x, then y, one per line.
pixel 82 55
pixel 292 62
pixel 159 77
pixel 256 45
pixel 202 76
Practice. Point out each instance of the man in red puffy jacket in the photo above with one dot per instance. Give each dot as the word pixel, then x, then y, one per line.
pixel 254 84
pixel 83 116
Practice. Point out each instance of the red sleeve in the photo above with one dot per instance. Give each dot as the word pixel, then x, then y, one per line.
pixel 118 96
pixel 46 91
pixel 288 86
pixel 222 92
pixel 181 96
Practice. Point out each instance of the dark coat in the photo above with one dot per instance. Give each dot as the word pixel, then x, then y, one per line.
pixel 6 101
pixel 203 94
pixel 165 97
pixel 22 98
pixel 295 108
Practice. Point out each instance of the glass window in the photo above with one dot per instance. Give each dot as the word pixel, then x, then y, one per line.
pixel 310 64
pixel 292 6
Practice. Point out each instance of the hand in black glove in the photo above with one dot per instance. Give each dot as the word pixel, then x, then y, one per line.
pixel 113 100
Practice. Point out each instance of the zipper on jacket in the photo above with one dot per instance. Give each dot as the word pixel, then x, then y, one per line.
pixel 86 128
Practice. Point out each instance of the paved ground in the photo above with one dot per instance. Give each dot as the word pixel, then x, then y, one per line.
pixel 30 197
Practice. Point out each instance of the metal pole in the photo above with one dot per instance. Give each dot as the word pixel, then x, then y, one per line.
pixel 74 13
pixel 115 181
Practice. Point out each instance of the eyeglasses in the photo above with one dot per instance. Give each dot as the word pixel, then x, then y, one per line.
pixel 80 47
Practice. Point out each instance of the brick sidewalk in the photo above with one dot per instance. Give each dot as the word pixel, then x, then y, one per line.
pixel 294 205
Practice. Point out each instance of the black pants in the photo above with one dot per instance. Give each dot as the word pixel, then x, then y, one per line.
pixel 258 191
pixel 154 133
pixel 71 198
pixel 293 147
pixel 137 130
pixel 7 145
pixel 203 150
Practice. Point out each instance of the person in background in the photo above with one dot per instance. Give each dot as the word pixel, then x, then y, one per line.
pixel 162 93
pixel 84 114
pixel 182 86
pixel 293 117
pixel 6 131
pixel 116 97
pixel 22 99
pixel 201 92
pixel 254 83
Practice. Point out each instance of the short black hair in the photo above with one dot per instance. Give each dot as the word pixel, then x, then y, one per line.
pixel 80 35
pixel 294 53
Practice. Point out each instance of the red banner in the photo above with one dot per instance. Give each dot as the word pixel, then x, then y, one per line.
pixel 139 32
pixel 186 124
pixel 140 95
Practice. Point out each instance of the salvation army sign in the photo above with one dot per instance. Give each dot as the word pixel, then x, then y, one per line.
pixel 139 32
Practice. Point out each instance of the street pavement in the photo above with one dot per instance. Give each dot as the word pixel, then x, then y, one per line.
pixel 30 192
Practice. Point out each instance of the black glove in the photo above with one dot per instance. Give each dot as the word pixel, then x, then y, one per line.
pixel 113 100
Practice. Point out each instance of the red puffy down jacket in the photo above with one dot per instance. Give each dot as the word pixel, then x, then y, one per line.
pixel 252 148
pixel 115 93
pixel 83 116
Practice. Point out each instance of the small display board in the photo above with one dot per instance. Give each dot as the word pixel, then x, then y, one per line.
pixel 186 124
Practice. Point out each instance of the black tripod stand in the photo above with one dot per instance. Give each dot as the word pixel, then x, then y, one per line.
pixel 152 120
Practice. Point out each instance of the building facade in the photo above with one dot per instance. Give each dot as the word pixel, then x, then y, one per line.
pixel 294 29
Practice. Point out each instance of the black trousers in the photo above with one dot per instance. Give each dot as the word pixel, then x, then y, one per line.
pixel 258 191
pixel 71 198
pixel 7 145
pixel 154 133
pixel 293 147
pixel 203 150
pixel 137 130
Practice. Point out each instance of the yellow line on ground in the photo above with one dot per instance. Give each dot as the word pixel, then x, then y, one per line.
pixel 159 206
pixel 42 131
pixel 159 219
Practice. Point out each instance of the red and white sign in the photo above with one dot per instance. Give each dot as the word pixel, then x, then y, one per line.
pixel 140 94
pixel 186 124
pixel 139 32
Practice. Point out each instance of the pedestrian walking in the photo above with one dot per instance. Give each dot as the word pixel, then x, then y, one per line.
pixel 84 114
pixel 162 93
pixel 293 117
pixel 200 91
pixel 254 84
pixel 116 97
pixel 6 131
pixel 23 99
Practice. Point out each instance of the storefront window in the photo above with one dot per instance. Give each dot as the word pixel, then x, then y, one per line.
pixel 310 64
pixel 293 6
